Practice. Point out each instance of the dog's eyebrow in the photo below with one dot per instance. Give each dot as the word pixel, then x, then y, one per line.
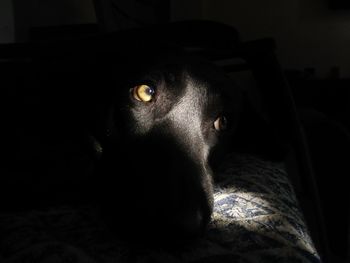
pixel 152 76
pixel 168 75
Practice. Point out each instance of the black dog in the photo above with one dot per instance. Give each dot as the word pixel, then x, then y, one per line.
pixel 167 120
pixel 157 119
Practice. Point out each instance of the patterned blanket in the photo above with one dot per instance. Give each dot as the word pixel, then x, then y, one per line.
pixel 256 219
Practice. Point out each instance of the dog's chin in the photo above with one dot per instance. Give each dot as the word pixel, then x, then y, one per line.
pixel 157 224
pixel 171 201
pixel 155 233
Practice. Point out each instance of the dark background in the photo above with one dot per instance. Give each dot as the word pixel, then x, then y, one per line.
pixel 313 41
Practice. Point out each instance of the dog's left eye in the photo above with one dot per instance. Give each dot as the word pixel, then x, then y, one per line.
pixel 220 124
pixel 143 93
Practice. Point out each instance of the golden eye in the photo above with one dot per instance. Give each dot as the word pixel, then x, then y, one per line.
pixel 220 123
pixel 143 93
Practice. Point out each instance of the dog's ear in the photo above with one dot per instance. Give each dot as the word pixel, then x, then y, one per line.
pixel 95 138
pixel 93 146
pixel 104 130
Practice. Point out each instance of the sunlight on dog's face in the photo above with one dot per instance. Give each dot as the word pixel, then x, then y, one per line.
pixel 167 126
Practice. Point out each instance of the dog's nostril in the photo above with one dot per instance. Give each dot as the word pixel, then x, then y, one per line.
pixel 190 224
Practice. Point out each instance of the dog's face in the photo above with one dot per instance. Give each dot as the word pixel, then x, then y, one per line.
pixel 166 122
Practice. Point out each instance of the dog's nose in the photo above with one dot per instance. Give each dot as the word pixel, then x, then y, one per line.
pixel 190 224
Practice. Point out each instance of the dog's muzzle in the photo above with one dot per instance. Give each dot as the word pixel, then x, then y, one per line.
pixel 164 191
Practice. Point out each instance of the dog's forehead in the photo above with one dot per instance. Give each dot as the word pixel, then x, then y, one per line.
pixel 193 72
pixel 201 89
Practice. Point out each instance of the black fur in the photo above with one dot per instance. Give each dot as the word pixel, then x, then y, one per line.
pixel 75 134
pixel 157 158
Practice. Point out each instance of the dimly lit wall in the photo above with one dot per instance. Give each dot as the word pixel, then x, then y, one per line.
pixel 32 13
pixel 308 34
pixel 7 30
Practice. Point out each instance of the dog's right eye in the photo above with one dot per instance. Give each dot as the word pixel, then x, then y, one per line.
pixel 220 124
pixel 143 93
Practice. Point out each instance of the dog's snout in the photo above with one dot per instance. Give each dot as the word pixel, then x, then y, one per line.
pixel 190 224
pixel 188 190
pixel 171 186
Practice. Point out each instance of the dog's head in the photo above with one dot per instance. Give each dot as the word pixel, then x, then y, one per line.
pixel 166 121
